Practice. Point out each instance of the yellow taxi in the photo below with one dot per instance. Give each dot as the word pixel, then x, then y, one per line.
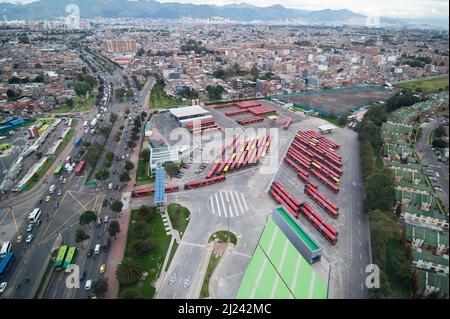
pixel 102 268
pixel 48 198
pixel 64 180
pixel 19 239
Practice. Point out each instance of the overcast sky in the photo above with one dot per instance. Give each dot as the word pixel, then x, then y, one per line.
pixel 388 8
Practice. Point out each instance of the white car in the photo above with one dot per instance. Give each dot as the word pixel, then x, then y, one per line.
pixel 29 227
pixel 29 238
pixel 172 279
pixel 88 284
pixel 437 174
pixel 110 186
pixel 3 286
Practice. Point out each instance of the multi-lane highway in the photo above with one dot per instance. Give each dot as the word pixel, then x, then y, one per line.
pixel 60 216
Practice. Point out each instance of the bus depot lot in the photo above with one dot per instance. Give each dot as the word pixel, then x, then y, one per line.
pixel 214 206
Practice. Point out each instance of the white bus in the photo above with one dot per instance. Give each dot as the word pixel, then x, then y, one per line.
pixel 33 217
pixel 6 248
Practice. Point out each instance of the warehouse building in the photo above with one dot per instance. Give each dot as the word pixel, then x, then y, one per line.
pixel 187 114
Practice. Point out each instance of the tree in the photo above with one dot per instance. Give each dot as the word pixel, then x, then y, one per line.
pixel 38 66
pixel 254 72
pixel 86 143
pixel 140 229
pixel 113 228
pixel 131 144
pixel 171 168
pixel 93 154
pixel 367 155
pixel 127 111
pixel 142 247
pixel 117 206
pixel 124 176
pixel 140 52
pixel 10 94
pixel 102 175
pixel 69 102
pixel 128 272
pixel 130 293
pixel 377 114
pixel 145 154
pixel 100 287
pixel 439 131
pixel 379 191
pixel 88 217
pixel 110 156
pixel 129 165
pixel 437 142
pixel 368 131
pixel 24 39
pixel 145 213
pixel 215 92
pixel 82 88
pixel 385 288
pixel 80 236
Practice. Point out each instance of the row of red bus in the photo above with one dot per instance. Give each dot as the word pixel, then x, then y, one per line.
pixel 323 202
pixel 323 140
pixel 318 153
pixel 237 112
pixel 293 205
pixel 204 182
pixel 250 120
pixel 202 123
pixel 148 191
pixel 252 151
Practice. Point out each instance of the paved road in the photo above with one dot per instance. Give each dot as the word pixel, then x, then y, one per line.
pixel 428 157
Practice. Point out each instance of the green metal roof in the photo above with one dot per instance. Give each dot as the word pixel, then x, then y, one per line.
pixel 278 271
pixel 298 230
pixel 422 254
pixel 430 279
pixel 430 237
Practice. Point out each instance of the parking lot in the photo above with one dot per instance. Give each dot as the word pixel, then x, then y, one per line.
pixel 242 203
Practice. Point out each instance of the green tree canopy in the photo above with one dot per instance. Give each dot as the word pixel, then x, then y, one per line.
pixel 117 206
pixel 80 236
pixel 379 191
pixel 129 272
pixel 88 217
pixel 113 228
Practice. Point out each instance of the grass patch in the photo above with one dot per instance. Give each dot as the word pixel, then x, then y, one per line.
pixel 142 176
pixel 378 162
pixel 398 289
pixel 172 253
pixel 52 159
pixel 46 273
pixel 213 261
pixel 179 217
pixel 223 235
pixel 332 120
pixel 151 262
pixel 426 86
pixel 159 99
pixel 80 105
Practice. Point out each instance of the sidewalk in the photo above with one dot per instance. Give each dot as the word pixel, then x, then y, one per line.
pixel 215 277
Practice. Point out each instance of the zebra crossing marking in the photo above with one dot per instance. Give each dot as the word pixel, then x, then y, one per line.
pixel 228 204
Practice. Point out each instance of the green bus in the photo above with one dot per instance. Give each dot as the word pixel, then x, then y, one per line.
pixel 58 169
pixel 69 257
pixel 60 258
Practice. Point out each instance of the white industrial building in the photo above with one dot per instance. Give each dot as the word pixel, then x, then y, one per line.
pixel 185 115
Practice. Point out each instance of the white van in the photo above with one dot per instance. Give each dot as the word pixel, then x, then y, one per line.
pixel 6 248
pixel 52 189
pixel 97 249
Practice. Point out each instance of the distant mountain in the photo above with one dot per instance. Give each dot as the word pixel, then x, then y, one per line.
pixel 51 9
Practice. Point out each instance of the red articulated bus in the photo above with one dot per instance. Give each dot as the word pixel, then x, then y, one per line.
pixel 320 202
pixel 286 199
pixel 292 198
pixel 291 164
pixel 212 171
pixel 142 192
pixel 295 159
pixel 325 181
pixel 204 182
pixel 280 200
pixel 80 167
pixel 288 123
pixel 304 178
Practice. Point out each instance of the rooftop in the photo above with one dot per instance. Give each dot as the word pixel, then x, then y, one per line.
pixel 193 110
pixel 278 271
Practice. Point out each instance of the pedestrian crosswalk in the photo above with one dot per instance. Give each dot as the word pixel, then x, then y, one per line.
pixel 228 204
